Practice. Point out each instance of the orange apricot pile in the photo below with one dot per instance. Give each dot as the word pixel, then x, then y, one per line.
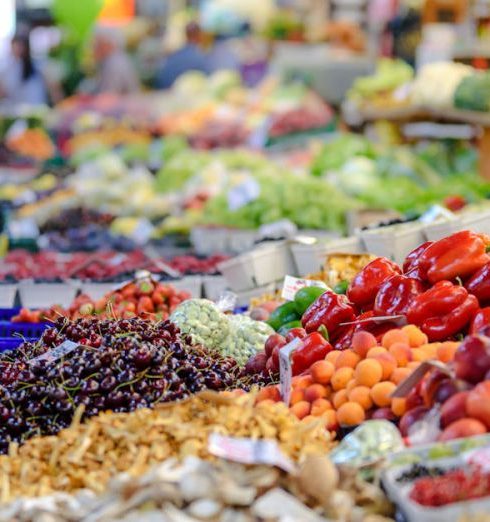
pixel 352 385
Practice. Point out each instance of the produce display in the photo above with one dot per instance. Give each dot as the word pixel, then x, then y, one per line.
pixel 222 490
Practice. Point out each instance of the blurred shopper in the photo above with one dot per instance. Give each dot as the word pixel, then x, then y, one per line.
pixel 21 82
pixel 115 71
pixel 188 58
pixel 222 55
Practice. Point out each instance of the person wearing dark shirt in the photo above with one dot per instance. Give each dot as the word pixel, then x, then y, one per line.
pixel 188 58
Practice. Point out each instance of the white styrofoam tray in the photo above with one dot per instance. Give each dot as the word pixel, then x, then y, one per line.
pixel 238 272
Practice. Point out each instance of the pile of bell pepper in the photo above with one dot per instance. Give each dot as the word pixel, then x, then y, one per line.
pixel 443 287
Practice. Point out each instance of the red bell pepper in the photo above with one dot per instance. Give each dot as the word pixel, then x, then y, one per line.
pixel 458 255
pixel 480 320
pixel 343 337
pixel 329 310
pixel 442 311
pixel 313 348
pixel 364 287
pixel 396 294
pixel 413 259
pixel 479 284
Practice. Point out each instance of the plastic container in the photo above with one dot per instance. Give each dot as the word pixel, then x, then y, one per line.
pixel 6 314
pixel 240 241
pixel 439 229
pixel 238 272
pixel 272 262
pixel 42 295
pixel 393 242
pixel 8 293
pixel 191 284
pixel 10 343
pixel 25 330
pixel 399 493
pixel 213 286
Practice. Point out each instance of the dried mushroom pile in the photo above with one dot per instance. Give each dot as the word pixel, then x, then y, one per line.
pixel 89 455
pixel 217 492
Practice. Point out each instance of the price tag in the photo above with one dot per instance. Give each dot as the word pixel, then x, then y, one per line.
pixel 293 284
pixel 249 451
pixel 240 195
pixel 56 353
pixel 285 369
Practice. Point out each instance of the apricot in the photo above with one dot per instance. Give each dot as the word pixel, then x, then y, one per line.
pixel 269 393
pixel 331 422
pixel 419 355
pixel 332 356
pixel 445 351
pixel 315 391
pixel 381 393
pixel 430 350
pixel 361 395
pixel 394 336
pixel 297 395
pixel 339 398
pixel 362 342
pixel 368 372
pixel 416 337
pixel 322 371
pixel 320 406
pixel 388 363
pixel 377 350
pixel 301 409
pixel 350 414
pixel 351 384
pixel 347 359
pixel 401 352
pixel 302 381
pixel 398 406
pixel 341 377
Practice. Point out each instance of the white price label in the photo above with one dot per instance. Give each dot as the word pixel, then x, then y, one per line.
pixel 240 195
pixel 293 284
pixel 249 451
pixel 286 370
pixel 56 353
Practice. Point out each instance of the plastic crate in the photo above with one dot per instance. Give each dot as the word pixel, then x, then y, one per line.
pixel 7 313
pixel 26 330
pixel 11 343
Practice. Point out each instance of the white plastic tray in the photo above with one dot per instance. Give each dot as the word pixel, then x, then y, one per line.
pixel 393 242
pixel 238 272
pixel 7 295
pixel 191 284
pixel 213 286
pixel 43 295
pixel 272 262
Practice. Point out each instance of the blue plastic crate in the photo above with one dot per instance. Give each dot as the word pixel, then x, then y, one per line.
pixel 11 343
pixel 7 313
pixel 26 330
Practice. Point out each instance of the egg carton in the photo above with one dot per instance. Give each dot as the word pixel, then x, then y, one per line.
pixel 393 242
pixel 309 259
pixel 42 295
pixel 8 293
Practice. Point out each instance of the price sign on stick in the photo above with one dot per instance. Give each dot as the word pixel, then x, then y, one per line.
pixel 286 370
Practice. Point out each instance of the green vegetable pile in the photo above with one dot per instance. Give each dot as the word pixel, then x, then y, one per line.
pixel 234 336
pixel 473 93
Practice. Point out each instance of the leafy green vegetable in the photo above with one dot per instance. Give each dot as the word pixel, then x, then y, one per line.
pixel 473 93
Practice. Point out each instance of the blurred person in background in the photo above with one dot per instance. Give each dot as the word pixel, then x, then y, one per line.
pixel 115 71
pixel 189 58
pixel 21 82
pixel 222 55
